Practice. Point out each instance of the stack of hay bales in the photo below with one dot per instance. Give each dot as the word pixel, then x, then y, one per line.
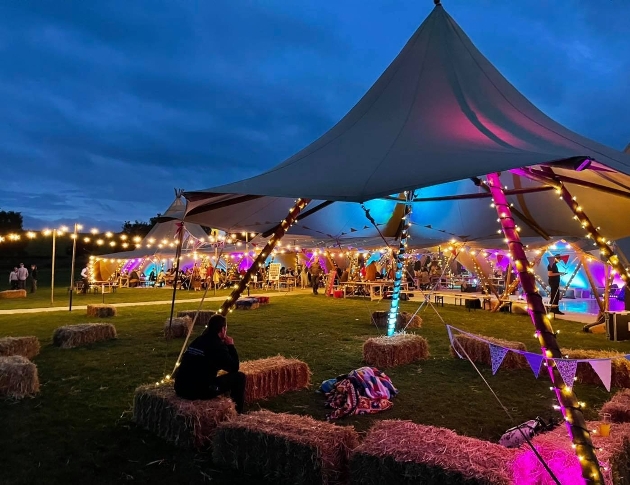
pixel 270 377
pixel 403 452
pixel 178 328
pixel 262 300
pixel 25 346
pixel 180 421
pixel 479 351
pixel 11 294
pixel 613 452
pixel 71 336
pixel 397 350
pixel 285 448
pixel 18 377
pixel 403 320
pixel 101 311
pixel 620 367
pixel 618 407
pixel 202 318
pixel 247 304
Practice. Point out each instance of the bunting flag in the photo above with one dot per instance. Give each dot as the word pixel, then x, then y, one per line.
pixel 603 369
pixel 534 361
pixel 450 338
pixel 567 369
pixel 499 258
pixel 497 354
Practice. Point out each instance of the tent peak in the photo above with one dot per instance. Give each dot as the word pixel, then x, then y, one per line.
pixel 437 3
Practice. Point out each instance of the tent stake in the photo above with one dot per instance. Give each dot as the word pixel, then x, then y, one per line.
pixel 278 233
pixel 569 405
pixel 400 262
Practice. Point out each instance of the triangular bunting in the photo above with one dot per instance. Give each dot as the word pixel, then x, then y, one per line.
pixel 450 337
pixel 567 369
pixel 497 354
pixel 534 361
pixel 602 369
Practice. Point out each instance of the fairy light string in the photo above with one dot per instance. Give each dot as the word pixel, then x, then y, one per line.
pixel 568 402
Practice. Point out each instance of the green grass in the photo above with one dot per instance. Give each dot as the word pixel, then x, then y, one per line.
pixel 41 298
pixel 78 429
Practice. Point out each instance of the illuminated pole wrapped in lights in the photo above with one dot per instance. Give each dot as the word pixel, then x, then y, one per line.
pixel 74 258
pixel 400 261
pixel 279 232
pixel 569 405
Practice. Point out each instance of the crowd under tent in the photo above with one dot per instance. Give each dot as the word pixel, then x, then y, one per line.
pixel 441 113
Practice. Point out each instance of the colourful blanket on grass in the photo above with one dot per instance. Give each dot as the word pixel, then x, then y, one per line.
pixel 364 391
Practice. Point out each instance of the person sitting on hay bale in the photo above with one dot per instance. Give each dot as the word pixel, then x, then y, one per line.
pixel 212 351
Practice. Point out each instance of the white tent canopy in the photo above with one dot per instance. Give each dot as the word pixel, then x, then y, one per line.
pixel 439 115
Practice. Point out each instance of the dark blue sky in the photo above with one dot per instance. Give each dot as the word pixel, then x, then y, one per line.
pixel 108 105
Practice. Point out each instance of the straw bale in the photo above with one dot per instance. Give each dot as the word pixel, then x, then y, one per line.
pixel 403 320
pixel 479 351
pixel 397 350
pixel 25 346
pixel 70 336
pixel 11 294
pixel 247 304
pixel 178 328
pixel 202 319
pixel 101 311
pixel 403 452
pixel 262 300
pixel 620 367
pixel 179 421
pixel 618 407
pixel 285 448
pixel 555 448
pixel 270 377
pixel 18 377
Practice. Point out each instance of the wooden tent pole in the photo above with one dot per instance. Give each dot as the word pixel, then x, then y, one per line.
pixel 278 233
pixel 591 281
pixel 569 405
pixel 400 262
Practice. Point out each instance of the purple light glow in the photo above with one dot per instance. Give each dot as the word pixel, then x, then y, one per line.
pixel 527 469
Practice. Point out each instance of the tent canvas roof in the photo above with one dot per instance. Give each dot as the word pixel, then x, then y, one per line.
pixel 440 112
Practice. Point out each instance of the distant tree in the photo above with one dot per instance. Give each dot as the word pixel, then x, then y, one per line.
pixel 11 222
pixel 139 228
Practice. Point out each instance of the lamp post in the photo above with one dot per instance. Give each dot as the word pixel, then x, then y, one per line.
pixel 74 255
pixel 52 275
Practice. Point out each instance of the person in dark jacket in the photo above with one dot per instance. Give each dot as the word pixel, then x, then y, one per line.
pixel 554 283
pixel 196 377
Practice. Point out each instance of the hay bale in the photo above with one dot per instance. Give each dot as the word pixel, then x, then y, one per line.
pixel 247 304
pixel 403 320
pixel 397 350
pixel 618 407
pixel 202 319
pixel 262 300
pixel 25 346
pixel 18 377
pixel 285 448
pixel 101 311
pixel 479 351
pixel 179 421
pixel 620 367
pixel 178 328
pixel 11 294
pixel 555 448
pixel 270 377
pixel 70 336
pixel 403 452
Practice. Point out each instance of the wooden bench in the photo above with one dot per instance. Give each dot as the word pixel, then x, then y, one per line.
pixel 439 299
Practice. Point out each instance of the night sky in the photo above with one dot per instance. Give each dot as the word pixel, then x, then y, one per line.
pixel 108 105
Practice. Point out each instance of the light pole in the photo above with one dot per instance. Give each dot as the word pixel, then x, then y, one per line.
pixel 74 255
pixel 52 275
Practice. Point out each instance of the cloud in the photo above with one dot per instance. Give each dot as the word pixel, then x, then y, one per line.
pixel 108 105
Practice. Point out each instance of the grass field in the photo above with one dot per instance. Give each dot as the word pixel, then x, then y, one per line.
pixel 79 430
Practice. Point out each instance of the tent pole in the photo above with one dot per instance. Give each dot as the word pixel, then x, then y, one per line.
pixel 591 281
pixel 607 282
pixel 278 233
pixel 400 261
pixel 569 405
pixel 178 254
pixel 600 241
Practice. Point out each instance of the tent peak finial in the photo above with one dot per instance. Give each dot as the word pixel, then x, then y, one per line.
pixel 437 2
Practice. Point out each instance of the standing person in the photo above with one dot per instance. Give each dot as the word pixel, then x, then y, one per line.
pixel 85 279
pixel 22 274
pixel 13 279
pixel 212 351
pixel 304 276
pixel 316 271
pixel 33 278
pixel 554 283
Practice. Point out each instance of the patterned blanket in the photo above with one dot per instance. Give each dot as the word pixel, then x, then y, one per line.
pixel 364 391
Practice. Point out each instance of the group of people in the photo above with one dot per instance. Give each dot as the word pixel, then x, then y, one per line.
pixel 19 276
